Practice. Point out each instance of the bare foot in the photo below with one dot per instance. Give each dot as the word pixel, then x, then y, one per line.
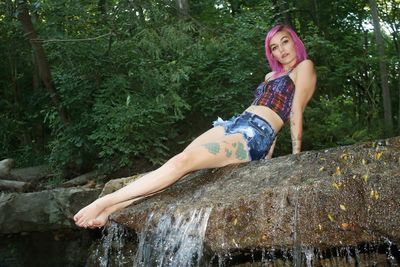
pixel 89 213
pixel 100 220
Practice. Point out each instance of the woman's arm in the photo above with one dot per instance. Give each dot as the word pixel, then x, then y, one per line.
pixel 306 79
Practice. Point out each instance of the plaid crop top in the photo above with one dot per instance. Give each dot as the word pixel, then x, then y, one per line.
pixel 276 94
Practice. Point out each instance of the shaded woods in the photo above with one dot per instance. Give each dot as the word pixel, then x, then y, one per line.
pixel 126 84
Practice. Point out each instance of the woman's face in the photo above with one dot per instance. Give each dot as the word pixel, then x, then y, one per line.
pixel 283 49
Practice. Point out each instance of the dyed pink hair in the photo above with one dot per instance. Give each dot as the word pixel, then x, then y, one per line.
pixel 301 53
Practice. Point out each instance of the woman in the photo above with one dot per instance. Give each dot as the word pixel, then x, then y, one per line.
pixel 250 136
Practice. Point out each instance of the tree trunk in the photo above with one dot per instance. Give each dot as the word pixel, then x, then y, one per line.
pixel 282 12
pixel 387 107
pixel 41 60
pixel 101 6
pixel 316 9
pixel 183 8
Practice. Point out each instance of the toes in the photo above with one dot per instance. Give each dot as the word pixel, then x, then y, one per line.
pixel 78 215
pixel 81 221
pixel 97 223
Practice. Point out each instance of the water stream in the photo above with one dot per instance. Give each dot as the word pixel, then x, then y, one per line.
pixel 171 239
pixel 175 240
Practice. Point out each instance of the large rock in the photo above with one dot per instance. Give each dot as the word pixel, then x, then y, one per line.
pixel 5 167
pixel 336 197
pixel 42 211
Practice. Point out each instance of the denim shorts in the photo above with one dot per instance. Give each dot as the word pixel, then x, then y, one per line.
pixel 257 132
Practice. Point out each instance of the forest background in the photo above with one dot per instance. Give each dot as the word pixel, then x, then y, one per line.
pixel 123 84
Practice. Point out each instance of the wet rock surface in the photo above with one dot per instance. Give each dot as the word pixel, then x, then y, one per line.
pixel 322 199
pixel 42 211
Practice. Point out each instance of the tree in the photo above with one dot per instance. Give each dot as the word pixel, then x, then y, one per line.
pixel 41 60
pixel 387 106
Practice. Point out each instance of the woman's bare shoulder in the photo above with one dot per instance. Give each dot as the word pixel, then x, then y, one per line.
pixel 305 66
pixel 268 76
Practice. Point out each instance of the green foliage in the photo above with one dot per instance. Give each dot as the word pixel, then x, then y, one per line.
pixel 139 82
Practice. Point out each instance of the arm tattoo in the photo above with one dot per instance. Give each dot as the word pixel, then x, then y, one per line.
pixel 296 140
pixel 213 148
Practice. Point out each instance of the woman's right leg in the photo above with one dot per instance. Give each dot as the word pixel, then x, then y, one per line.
pixel 211 149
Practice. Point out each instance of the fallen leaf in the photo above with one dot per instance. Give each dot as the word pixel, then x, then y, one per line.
pixel 235 221
pixel 378 155
pixel 344 226
pixel 365 177
pixel 330 217
pixel 337 185
pixel 342 207
pixel 374 194
pixel 338 171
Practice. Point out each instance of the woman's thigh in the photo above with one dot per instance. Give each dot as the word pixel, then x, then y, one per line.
pixel 212 152
pixel 215 133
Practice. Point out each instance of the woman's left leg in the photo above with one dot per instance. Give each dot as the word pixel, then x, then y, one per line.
pixel 211 153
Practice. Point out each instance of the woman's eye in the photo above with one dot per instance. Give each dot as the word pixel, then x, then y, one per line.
pixel 285 41
pixel 273 48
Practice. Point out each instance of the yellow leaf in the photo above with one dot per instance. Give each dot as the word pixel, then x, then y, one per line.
pixel 365 177
pixel 320 226
pixel 322 169
pixel 338 171
pixel 342 207
pixel 330 217
pixel 322 158
pixel 354 176
pixel 374 194
pixel 363 162
pixel 335 185
pixel 235 221
pixel 378 155
pixel 344 156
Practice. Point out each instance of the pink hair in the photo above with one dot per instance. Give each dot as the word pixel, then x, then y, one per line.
pixel 301 53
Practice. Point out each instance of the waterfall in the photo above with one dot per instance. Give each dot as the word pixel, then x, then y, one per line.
pixel 114 247
pixel 176 239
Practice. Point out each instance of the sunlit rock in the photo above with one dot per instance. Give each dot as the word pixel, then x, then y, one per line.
pixel 338 197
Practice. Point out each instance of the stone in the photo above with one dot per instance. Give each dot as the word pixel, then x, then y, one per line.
pixel 5 167
pixel 42 211
pixel 337 197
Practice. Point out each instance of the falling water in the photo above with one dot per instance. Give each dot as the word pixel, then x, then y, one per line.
pixel 112 249
pixel 175 240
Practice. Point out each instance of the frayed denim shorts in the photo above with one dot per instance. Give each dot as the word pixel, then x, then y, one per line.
pixel 257 132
